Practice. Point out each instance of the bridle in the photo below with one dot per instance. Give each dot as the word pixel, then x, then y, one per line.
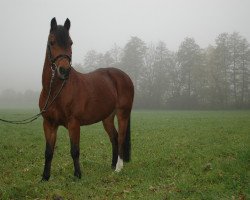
pixel 54 67
pixel 59 57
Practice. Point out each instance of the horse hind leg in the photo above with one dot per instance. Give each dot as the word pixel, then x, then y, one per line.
pixel 124 145
pixel 109 127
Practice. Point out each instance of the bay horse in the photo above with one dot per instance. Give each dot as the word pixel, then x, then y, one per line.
pixel 84 99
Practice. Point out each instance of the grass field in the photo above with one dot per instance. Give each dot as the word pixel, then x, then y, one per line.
pixel 175 155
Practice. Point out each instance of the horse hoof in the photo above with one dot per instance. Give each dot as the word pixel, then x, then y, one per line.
pixel 119 165
pixel 44 179
pixel 117 170
pixel 78 175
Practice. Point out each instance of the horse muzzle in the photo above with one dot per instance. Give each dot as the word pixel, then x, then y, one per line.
pixel 63 73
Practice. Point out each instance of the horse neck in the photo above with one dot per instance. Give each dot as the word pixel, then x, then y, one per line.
pixel 47 72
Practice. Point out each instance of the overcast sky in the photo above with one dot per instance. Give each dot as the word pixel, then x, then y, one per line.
pixel 99 24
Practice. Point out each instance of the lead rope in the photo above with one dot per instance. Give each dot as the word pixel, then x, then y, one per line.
pixel 45 108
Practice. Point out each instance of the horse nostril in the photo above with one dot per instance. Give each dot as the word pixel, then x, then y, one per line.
pixel 62 70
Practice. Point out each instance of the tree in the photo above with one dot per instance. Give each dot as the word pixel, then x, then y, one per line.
pixel 107 60
pixel 244 71
pixel 92 60
pixel 132 61
pixel 220 72
pixel 189 58
pixel 234 47
pixel 163 70
pixel 116 55
pixel 146 81
pixel 228 69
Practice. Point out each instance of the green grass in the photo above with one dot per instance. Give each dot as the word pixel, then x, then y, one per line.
pixel 175 155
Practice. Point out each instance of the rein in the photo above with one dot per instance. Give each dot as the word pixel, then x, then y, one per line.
pixel 47 104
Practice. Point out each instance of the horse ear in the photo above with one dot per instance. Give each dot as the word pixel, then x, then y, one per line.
pixel 53 24
pixel 67 24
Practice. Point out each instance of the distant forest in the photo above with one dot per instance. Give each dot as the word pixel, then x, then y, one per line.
pixel 217 77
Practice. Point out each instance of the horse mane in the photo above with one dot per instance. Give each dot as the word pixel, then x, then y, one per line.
pixel 61 35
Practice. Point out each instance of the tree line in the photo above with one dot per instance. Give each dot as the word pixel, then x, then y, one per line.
pixel 215 77
pixel 10 98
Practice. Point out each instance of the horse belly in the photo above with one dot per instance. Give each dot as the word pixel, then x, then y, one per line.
pixel 97 110
pixel 96 115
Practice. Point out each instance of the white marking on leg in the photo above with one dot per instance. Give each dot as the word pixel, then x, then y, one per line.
pixel 119 164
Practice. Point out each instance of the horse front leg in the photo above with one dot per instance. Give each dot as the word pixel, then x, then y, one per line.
pixel 74 134
pixel 50 132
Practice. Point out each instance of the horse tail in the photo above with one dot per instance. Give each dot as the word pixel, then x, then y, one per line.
pixel 127 144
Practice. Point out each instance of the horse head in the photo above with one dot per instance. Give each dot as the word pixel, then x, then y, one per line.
pixel 59 48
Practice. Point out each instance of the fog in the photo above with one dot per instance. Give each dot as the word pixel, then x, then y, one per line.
pixel 99 24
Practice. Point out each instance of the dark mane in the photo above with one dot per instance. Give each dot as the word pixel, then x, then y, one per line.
pixel 62 36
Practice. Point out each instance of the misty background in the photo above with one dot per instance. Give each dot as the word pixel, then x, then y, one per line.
pixel 180 54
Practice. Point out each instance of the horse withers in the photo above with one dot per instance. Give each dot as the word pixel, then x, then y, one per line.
pixel 84 99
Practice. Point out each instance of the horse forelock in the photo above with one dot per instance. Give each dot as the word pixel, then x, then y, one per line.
pixel 62 36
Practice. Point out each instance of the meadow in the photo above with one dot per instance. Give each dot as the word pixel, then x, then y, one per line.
pixel 175 155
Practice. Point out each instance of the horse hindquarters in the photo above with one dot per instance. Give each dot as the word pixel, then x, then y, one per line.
pixel 125 95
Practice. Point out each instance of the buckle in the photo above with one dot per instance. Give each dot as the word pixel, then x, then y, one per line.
pixel 53 66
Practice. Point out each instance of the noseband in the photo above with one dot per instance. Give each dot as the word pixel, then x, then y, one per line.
pixel 53 62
